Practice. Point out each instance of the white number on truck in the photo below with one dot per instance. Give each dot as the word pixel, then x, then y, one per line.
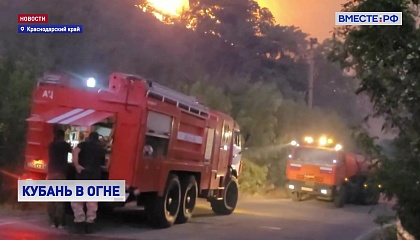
pixel 48 94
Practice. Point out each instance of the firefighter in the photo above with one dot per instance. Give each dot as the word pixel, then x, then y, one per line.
pixel 57 170
pixel 88 158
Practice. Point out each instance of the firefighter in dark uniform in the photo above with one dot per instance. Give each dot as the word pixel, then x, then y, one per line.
pixel 88 158
pixel 57 170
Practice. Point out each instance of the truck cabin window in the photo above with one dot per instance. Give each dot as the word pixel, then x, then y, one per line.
pixel 238 138
pixel 226 134
pixel 315 156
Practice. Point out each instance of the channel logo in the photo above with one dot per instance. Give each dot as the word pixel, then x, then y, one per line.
pixel 368 18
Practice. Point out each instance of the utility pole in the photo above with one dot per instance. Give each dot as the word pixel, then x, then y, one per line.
pixel 311 60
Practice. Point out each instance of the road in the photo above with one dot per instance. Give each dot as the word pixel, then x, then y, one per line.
pixel 253 219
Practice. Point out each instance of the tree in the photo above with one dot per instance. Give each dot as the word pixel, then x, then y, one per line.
pixel 17 77
pixel 254 105
pixel 385 59
pixel 209 95
pixel 333 89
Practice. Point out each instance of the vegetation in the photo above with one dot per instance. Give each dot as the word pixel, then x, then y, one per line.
pixel 387 233
pixel 230 54
pixel 17 79
pixel 385 60
pixel 253 179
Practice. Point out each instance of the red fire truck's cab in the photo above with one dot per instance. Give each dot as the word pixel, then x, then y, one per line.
pixel 321 168
pixel 168 148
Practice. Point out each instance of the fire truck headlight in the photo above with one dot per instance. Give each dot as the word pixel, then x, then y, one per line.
pixel 91 82
pixel 293 143
pixel 338 147
pixel 291 186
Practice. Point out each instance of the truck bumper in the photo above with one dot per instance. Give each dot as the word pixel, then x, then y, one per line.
pixel 320 190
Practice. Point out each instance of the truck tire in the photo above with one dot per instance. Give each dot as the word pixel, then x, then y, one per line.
pixel 163 211
pixel 227 205
pixel 339 197
pixel 189 193
pixel 296 196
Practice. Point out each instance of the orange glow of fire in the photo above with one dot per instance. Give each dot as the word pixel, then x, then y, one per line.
pixel 161 8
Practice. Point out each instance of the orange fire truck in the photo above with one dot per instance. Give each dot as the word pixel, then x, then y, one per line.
pixel 322 168
pixel 168 148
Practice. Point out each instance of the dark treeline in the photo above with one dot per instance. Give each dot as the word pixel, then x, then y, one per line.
pixel 229 53
pixel 386 61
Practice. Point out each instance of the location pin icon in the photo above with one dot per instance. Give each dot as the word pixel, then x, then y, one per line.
pixel 22 29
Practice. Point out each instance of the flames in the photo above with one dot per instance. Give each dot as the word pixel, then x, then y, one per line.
pixel 169 7
pixel 163 8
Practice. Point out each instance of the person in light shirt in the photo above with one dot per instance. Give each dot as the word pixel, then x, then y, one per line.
pixel 88 159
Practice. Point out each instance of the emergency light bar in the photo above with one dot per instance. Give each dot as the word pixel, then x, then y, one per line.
pixel 309 140
pixel 66 79
pixel 323 141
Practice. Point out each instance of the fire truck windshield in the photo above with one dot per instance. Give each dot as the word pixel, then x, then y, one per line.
pixel 315 156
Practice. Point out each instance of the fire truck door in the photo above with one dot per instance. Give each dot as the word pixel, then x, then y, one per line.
pixel 237 150
pixel 225 147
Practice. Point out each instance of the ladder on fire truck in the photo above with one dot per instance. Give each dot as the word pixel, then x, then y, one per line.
pixel 185 102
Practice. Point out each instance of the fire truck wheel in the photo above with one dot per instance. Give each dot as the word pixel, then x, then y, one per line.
pixel 227 205
pixel 164 210
pixel 296 196
pixel 370 197
pixel 189 192
pixel 339 197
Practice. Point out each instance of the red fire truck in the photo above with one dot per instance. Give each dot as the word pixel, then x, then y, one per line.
pixel 169 148
pixel 322 168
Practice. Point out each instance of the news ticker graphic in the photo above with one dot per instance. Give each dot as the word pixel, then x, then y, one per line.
pixel 50 29
pixel 368 18
pixel 32 18
pixel 71 191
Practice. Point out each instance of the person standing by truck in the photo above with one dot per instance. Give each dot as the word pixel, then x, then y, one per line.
pixel 57 170
pixel 88 158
